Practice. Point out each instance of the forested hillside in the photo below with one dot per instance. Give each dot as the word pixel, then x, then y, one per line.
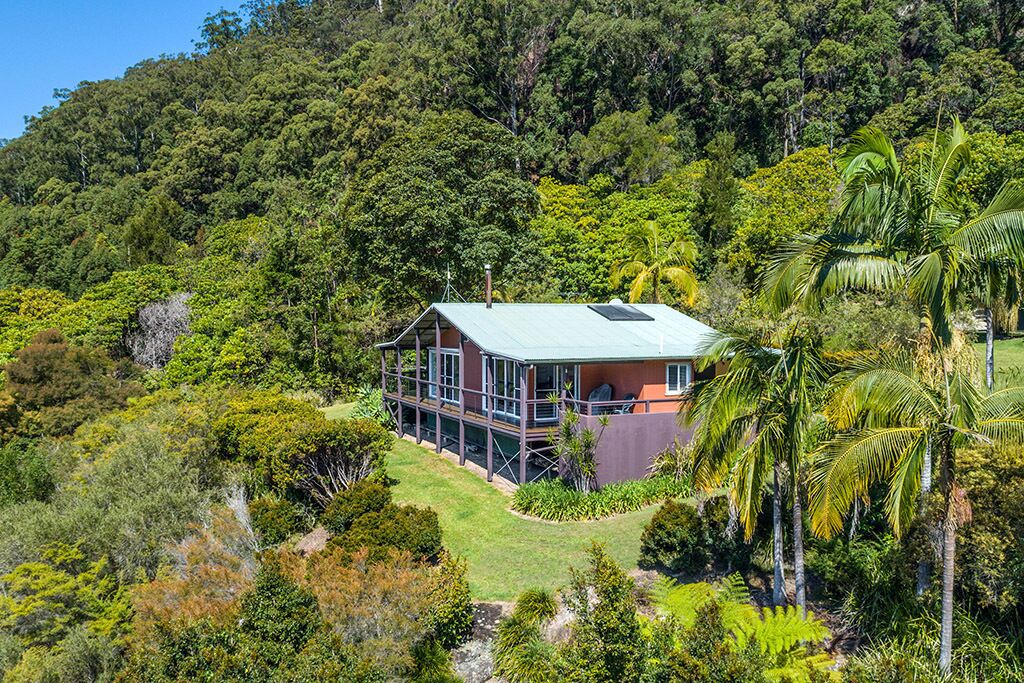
pixel 312 172
pixel 197 258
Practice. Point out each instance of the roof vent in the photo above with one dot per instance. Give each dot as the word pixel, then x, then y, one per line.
pixel 619 311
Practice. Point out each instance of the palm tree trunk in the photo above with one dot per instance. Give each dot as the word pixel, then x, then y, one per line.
pixel 948 568
pixel 798 552
pixel 949 526
pixel 779 580
pixel 990 356
pixel 924 567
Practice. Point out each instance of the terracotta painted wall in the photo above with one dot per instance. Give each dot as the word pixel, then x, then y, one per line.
pixel 473 366
pixel 646 379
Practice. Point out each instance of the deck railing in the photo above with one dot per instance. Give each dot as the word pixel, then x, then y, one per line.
pixel 540 412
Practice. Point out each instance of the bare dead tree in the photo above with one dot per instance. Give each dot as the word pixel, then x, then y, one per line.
pixel 160 324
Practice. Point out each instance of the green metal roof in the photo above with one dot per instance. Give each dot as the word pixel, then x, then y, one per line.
pixel 551 333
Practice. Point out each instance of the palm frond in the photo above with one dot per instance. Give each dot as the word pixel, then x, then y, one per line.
pixel 845 467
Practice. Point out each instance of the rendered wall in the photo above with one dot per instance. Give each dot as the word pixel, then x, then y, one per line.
pixel 629 443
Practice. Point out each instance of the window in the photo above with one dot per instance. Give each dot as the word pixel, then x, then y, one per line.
pixel 449 375
pixel 677 377
pixel 505 376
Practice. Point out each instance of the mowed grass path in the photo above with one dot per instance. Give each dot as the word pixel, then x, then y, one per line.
pixel 506 553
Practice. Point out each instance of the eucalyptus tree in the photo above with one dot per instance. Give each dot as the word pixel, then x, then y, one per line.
pixel 891 413
pixel 653 260
pixel 754 423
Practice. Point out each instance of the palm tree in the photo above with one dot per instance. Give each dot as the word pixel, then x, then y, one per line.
pixel 998 282
pixel 651 262
pixel 904 228
pixel 757 419
pixel 891 415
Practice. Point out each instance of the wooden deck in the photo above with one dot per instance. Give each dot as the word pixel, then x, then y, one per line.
pixel 477 419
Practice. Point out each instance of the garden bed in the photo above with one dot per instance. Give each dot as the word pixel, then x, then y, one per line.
pixel 554 501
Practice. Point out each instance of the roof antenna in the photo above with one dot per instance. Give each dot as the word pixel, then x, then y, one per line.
pixel 450 293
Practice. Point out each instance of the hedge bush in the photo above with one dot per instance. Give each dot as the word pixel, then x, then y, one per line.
pixel 553 500
pixel 359 499
pixel 403 527
pixel 275 519
pixel 680 539
pixel 451 609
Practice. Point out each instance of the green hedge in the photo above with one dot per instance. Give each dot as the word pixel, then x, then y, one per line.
pixel 553 500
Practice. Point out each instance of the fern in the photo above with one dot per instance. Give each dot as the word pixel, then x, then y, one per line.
pixel 781 634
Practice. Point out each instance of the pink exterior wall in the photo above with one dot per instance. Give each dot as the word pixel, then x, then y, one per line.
pixel 629 443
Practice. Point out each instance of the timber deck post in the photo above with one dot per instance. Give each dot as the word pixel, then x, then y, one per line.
pixel 419 379
pixel 384 380
pixel 401 379
pixel 437 383
pixel 462 399
pixel 524 369
pixel 489 398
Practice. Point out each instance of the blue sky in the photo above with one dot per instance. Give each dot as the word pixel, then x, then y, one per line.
pixel 49 44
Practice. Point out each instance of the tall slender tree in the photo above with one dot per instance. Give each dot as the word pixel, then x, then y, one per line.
pixel 653 260
pixel 892 415
pixel 755 421
pixel 902 226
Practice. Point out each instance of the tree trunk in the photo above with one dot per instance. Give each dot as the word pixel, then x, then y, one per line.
pixel 924 567
pixel 948 567
pixel 990 356
pixel 779 581
pixel 798 552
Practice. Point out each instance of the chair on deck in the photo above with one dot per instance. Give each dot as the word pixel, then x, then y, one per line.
pixel 626 407
pixel 601 393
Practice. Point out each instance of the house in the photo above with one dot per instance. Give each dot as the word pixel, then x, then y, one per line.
pixel 491 381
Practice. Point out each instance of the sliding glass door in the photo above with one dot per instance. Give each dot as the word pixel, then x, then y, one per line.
pixel 505 375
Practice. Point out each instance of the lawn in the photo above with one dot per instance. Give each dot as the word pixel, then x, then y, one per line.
pixel 1009 354
pixel 338 410
pixel 506 553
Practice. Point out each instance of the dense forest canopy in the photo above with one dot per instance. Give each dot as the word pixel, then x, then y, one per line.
pixel 316 169
pixel 198 255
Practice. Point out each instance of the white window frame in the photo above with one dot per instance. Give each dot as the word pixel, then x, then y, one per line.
pixel 682 370
pixel 449 375
pixel 506 401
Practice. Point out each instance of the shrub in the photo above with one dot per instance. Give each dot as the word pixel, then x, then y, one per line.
pixel 402 527
pixel 275 519
pixel 348 451
pixel 451 610
pixel 554 501
pixel 370 406
pixel 24 473
pixel 359 499
pixel 679 538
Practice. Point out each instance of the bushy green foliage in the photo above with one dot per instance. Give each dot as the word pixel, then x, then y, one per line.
pixel 399 527
pixel 25 473
pixel 275 519
pixel 521 655
pixel 357 500
pixel 690 542
pixel 57 386
pixel 370 406
pixel 606 641
pixel 554 500
pixel 783 637
pixel 40 602
pixel 450 618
